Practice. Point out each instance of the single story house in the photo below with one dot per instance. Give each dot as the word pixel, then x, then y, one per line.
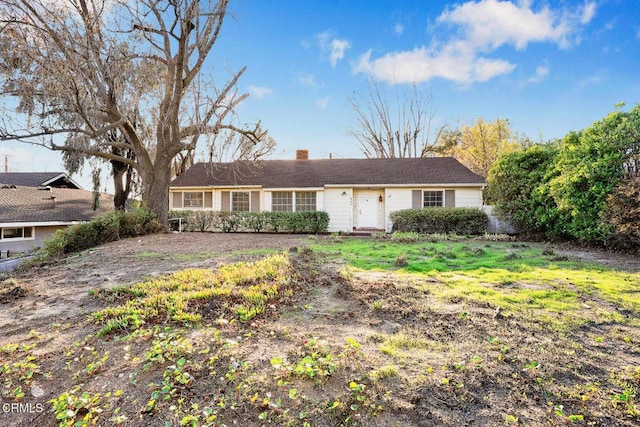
pixel 358 194
pixel 28 215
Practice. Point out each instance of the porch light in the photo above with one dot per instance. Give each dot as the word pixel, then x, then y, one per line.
pixel 380 198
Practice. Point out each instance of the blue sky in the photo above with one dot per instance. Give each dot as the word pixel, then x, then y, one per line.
pixel 550 67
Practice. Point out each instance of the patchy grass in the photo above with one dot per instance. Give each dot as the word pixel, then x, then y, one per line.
pixel 512 277
pixel 338 334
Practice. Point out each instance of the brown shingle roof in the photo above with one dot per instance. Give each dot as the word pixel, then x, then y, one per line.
pixel 318 173
pixel 28 204
pixel 37 179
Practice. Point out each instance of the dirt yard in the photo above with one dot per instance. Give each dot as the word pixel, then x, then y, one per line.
pixel 440 363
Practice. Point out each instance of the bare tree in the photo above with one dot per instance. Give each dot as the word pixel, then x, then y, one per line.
pixel 83 69
pixel 406 129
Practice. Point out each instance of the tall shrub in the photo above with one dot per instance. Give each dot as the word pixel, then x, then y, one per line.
pixel 518 184
pixel 590 165
pixel 623 213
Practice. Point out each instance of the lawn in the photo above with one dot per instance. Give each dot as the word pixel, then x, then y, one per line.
pixel 328 332
pixel 517 277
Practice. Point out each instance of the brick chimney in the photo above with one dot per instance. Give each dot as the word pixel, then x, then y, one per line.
pixel 302 154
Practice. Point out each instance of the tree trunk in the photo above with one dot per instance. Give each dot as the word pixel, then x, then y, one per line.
pixel 120 192
pixel 155 190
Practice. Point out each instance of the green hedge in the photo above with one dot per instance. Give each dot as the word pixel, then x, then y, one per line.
pixel 108 228
pixel 440 220
pixel 271 222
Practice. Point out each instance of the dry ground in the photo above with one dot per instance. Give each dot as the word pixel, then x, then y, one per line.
pixel 458 364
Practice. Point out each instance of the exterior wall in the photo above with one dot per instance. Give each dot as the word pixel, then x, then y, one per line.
pixel 469 198
pixel 396 199
pixel 339 208
pixel 40 235
pixel 401 198
pixel 343 210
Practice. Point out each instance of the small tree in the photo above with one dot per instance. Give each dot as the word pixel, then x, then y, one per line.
pixel 478 146
pixel 406 129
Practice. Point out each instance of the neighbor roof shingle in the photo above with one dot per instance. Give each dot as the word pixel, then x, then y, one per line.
pixel 318 173
pixel 28 204
pixel 37 179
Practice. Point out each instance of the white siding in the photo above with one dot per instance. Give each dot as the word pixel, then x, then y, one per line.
pixel 265 201
pixel 396 199
pixel 468 198
pixel 320 200
pixel 217 200
pixel 339 208
pixel 400 198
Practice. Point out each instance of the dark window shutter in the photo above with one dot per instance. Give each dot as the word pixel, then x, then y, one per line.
pixel 208 200
pixel 226 201
pixel 255 201
pixel 177 200
pixel 450 198
pixel 416 199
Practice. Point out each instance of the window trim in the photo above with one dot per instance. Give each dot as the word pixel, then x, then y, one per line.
pixel 184 193
pixel 295 195
pixel 17 239
pixel 231 194
pixel 291 199
pixel 294 201
pixel 442 198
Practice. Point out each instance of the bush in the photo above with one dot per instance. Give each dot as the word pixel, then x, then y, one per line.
pixel 108 228
pixel 623 213
pixel 273 222
pixel 440 220
pixel 518 185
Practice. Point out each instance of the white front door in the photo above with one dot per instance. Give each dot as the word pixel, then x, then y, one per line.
pixel 368 209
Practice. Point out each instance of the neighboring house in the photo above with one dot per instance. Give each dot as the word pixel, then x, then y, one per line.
pixel 356 193
pixel 38 179
pixel 28 215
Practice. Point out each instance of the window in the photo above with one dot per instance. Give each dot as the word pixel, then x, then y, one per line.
pixel 293 201
pixel 305 201
pixel 24 233
pixel 282 201
pixel 193 199
pixel 432 199
pixel 240 201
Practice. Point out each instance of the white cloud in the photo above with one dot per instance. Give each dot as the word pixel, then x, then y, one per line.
pixel 588 12
pixel 332 48
pixel 421 65
pixel 398 29
pixel 260 91
pixel 322 103
pixel 338 48
pixel 542 71
pixel 481 27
